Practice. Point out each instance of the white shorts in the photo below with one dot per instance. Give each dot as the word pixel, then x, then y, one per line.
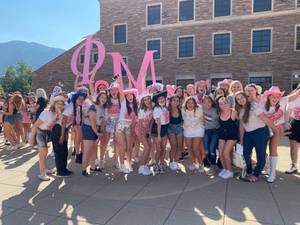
pixel 194 133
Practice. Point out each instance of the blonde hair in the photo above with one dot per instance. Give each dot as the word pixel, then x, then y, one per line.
pixel 40 92
pixel 235 82
pixel 17 101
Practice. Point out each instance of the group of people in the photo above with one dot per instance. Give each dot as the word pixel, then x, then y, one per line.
pixel 207 126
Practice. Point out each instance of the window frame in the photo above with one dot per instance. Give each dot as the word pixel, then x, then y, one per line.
pixel 213 10
pixel 114 40
pixel 271 40
pixel 218 76
pixel 296 3
pixel 272 8
pixel 124 57
pixel 185 77
pixel 79 58
pixel 194 44
pixel 295 37
pixel 178 11
pixel 261 74
pixel 155 39
pixel 213 43
pixel 154 4
pixel 292 78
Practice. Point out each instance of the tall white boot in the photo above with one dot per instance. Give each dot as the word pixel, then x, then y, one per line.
pixel 273 163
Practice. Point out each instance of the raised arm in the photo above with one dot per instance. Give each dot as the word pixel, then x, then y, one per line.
pixel 91 84
pixel 120 90
pixel 76 82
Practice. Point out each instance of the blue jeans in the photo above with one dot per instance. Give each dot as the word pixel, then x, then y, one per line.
pixel 211 138
pixel 259 140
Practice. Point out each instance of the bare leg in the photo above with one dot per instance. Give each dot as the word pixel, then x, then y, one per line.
pixel 42 159
pixel 227 152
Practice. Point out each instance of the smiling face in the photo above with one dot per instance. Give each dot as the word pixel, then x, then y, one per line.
pixel 114 93
pixel 175 102
pixel 129 97
pixel 190 105
pixel 102 99
pixel 207 104
pixel 224 104
pixel 241 100
pixel 179 92
pixel 274 99
pixel 101 87
pixel 251 91
pixel 147 101
pixel 236 87
pixel 224 86
pixel 201 89
pixel 219 92
pixel 190 90
pixel 79 100
pixel 59 106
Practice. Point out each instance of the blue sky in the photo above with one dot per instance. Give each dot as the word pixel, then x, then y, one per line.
pixel 55 23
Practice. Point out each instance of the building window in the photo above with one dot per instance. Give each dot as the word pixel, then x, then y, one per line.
pixel 154 14
pixel 186 10
pixel 215 79
pixel 297 39
pixel 222 8
pixel 81 59
pixel 186 47
pixel 298 4
pixel 149 82
pixel 222 44
pixel 124 73
pixel 184 82
pixel 262 5
pixel 120 34
pixel 264 81
pixel 261 41
pixel 295 80
pixel 154 45
pixel 95 57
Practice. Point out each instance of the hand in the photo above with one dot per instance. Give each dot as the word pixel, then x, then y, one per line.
pixel 241 142
pixel 287 126
pixel 61 139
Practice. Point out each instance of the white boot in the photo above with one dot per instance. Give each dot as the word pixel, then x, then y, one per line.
pixel 273 163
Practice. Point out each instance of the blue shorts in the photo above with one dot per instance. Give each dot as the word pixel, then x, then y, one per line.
pixel 88 133
pixel 42 138
pixel 175 129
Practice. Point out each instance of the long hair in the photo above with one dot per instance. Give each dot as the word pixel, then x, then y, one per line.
pixel 75 112
pixel 135 106
pixel 186 101
pixel 143 106
pixel 98 99
pixel 235 82
pixel 109 103
pixel 213 104
pixel 219 110
pixel 239 107
pixel 17 101
pixel 177 88
pixel 170 106
pixel 268 105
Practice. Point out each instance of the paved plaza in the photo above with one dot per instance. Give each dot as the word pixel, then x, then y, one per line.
pixel 113 198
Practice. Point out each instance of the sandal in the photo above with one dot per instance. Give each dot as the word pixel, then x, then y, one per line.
pixel 251 179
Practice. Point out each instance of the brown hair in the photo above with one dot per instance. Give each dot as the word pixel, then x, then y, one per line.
pixel 186 101
pixel 143 105
pixel 98 97
pixel 239 107
pixel 170 106
pixel 17 101
pixel 268 105
pixel 219 110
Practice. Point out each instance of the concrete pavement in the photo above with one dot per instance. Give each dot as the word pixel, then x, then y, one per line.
pixel 116 199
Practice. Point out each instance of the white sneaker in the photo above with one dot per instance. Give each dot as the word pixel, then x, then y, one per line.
pixel 201 168
pixel 44 177
pixel 141 169
pixel 227 174
pixel 21 145
pixel 194 166
pixel 13 147
pixel 172 166
pixel 51 154
pixel 47 171
pixel 123 169
pixel 177 166
pixel 222 173
pixel 146 171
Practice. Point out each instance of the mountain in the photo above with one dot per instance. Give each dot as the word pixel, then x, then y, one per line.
pixel 33 54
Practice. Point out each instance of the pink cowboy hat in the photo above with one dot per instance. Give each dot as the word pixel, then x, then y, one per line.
pixel 225 81
pixel 205 82
pixel 171 89
pixel 101 82
pixel 273 90
pixel 131 91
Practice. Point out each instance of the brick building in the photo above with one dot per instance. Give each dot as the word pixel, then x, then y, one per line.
pixel 249 40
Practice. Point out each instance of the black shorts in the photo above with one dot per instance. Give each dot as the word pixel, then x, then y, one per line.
pixel 295 129
pixel 229 134
pixel 163 131
pixel 88 133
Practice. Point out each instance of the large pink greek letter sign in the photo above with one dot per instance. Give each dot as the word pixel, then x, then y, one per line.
pixel 117 62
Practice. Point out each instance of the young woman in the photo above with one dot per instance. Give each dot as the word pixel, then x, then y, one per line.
pixel 41 103
pixel 275 110
pixel 26 117
pixel 193 126
pixel 190 90
pixel 46 121
pixel 159 130
pixel 219 92
pixel 225 84
pixel 235 86
pixel 211 135
pixel 202 88
pixel 180 93
pixel 72 115
pixel 9 112
pixel 145 116
pixel 175 132
pixel 254 94
pixel 100 86
pixel 125 126
pixel 229 135
pixel 293 109
pixel 92 129
pixel 18 127
pixel 253 133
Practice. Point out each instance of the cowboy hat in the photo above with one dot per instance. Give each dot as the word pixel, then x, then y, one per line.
pixel 273 90
pixel 77 94
pixel 101 82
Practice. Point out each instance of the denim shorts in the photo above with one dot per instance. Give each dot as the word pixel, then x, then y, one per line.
pixel 88 133
pixel 175 129
pixel 124 127
pixel 163 131
pixel 111 125
pixel 42 138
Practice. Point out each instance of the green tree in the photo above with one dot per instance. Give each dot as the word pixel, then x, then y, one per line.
pixel 18 78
